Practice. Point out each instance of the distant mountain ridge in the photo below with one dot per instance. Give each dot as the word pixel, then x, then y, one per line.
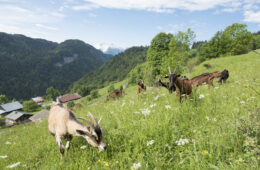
pixel 109 48
pixel 29 66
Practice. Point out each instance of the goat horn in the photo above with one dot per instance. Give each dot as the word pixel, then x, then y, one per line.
pixel 169 69
pixel 99 120
pixel 89 122
pixel 94 119
pixel 174 70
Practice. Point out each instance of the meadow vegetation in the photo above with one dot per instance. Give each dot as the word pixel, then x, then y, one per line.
pixel 215 128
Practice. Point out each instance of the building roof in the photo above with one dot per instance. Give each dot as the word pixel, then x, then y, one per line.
pixel 69 97
pixel 16 115
pixel 37 99
pixel 8 107
pixel 43 114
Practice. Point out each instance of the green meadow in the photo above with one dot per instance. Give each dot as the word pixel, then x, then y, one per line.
pixel 214 128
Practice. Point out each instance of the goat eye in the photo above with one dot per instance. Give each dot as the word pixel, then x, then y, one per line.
pixel 96 138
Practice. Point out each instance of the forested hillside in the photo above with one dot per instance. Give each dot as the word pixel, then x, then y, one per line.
pixel 116 69
pixel 29 66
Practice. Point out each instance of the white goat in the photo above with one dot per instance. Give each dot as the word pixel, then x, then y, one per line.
pixel 63 124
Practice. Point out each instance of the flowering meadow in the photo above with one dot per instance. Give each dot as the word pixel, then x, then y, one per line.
pixel 214 128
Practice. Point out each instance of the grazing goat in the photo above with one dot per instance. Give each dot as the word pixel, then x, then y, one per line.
pixel 63 124
pixel 140 87
pixel 183 85
pixel 166 85
pixel 204 78
pixel 223 76
pixel 115 94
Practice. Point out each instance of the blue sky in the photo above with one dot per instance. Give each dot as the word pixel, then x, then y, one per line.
pixel 123 23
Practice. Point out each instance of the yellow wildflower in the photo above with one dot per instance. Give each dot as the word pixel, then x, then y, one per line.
pixel 99 160
pixel 106 164
pixel 205 152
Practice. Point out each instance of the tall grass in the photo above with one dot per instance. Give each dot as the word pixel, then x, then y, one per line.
pixel 220 130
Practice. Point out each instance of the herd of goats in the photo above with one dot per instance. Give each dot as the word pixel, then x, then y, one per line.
pixel 63 124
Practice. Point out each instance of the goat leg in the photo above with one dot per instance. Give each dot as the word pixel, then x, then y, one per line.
pixel 60 144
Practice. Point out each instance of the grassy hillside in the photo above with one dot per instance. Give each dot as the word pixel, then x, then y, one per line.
pixel 217 131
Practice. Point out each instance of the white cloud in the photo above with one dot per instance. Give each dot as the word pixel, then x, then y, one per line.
pixel 251 16
pixel 167 6
pixel 46 27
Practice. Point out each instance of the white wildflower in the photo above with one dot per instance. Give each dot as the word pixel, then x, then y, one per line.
pixel 216 87
pixel 201 96
pixel 182 141
pixel 145 112
pixel 224 96
pixel 168 107
pixel 156 97
pixel 112 112
pixel 238 98
pixel 191 99
pixel 136 165
pixel 137 112
pixel 4 156
pixel 214 119
pixel 8 143
pixel 144 102
pixel 13 165
pixel 167 145
pixel 207 118
pixel 183 95
pixel 242 102
pixel 150 142
pixel 123 104
pixel 152 105
pixel 83 147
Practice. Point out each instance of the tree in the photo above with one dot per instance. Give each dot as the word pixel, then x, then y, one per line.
pixel 111 88
pixel 179 47
pixel 158 49
pixel 30 106
pixel 3 99
pixel 52 93
pixel 80 89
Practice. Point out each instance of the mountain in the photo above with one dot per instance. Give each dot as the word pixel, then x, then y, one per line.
pixel 109 48
pixel 29 66
pixel 115 69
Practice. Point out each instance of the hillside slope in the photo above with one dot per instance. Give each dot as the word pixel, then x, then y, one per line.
pixel 29 66
pixel 216 128
pixel 116 69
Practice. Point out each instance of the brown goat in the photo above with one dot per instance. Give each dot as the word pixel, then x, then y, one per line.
pixel 114 95
pixel 140 87
pixel 204 78
pixel 183 85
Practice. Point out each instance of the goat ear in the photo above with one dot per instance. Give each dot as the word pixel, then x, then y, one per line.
pixel 81 132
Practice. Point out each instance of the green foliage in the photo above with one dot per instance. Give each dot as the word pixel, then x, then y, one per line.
pixel 179 51
pixel 52 93
pixel 94 94
pixel 30 66
pixel 256 42
pixel 234 40
pixel 111 88
pixel 115 69
pixel 3 99
pixel 70 104
pixel 80 89
pixel 30 106
pixel 158 49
